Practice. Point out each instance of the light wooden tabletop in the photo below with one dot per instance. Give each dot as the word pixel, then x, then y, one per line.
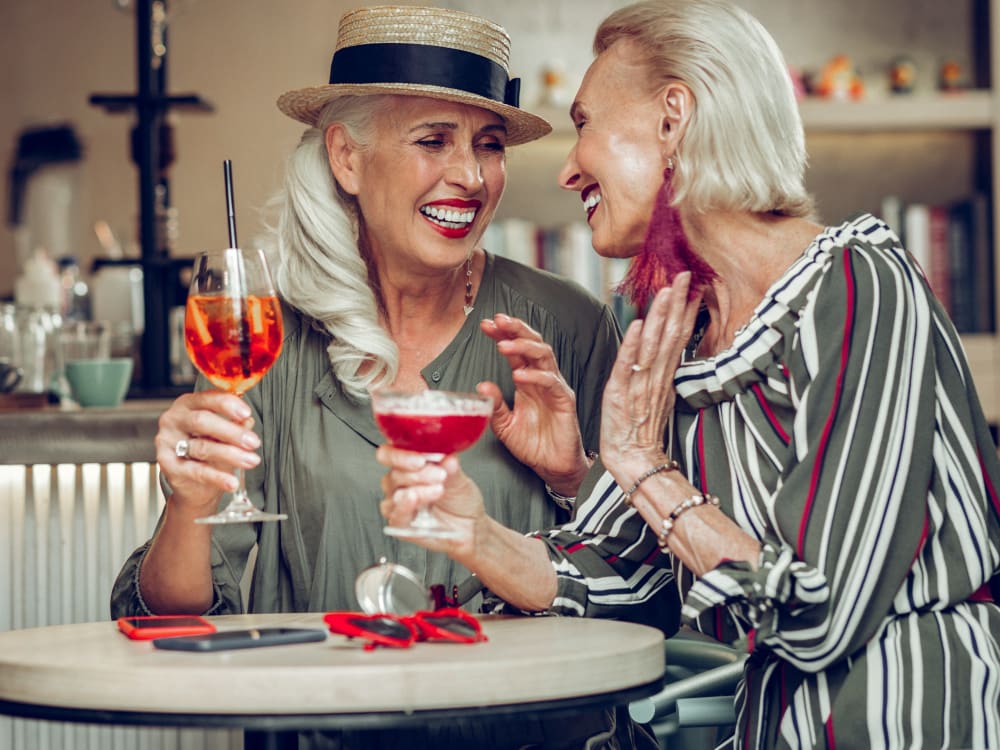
pixel 92 666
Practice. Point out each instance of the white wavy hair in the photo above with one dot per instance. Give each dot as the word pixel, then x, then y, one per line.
pixel 744 147
pixel 322 270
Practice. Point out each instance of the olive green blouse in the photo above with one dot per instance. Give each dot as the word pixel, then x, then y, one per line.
pixel 319 454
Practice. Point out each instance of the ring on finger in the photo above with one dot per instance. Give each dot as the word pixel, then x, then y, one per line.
pixel 636 367
pixel 182 449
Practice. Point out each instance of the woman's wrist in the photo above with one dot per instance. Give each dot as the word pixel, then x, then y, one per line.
pixel 514 566
pixel 627 467
pixel 567 485
pixel 663 466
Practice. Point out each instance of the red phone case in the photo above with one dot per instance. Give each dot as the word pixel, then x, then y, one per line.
pixel 149 627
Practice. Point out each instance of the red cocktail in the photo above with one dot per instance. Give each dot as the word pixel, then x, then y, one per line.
pixel 433 422
pixel 432 433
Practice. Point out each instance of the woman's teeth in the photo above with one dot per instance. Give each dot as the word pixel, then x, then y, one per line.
pixel 449 218
pixel 592 200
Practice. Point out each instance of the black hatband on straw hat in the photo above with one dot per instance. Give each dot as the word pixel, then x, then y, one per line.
pixel 423 64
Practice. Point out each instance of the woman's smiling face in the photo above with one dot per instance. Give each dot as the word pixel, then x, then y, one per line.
pixel 431 181
pixel 617 162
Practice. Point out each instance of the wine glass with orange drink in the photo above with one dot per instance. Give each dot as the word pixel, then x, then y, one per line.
pixel 233 334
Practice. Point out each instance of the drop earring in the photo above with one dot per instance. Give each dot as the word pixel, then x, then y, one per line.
pixel 467 307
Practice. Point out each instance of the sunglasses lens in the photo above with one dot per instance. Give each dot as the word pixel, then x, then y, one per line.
pixel 452 625
pixel 384 626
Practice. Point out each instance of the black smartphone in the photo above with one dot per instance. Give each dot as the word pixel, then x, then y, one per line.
pixel 249 638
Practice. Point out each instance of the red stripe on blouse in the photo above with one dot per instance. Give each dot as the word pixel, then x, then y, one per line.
pixel 766 407
pixel 923 537
pixel 982 595
pixel 701 450
pixel 838 392
pixel 990 489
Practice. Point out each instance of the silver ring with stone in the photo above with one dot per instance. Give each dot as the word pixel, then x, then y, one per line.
pixel 182 449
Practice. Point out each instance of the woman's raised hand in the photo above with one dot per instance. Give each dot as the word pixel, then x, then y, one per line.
pixel 542 430
pixel 413 482
pixel 218 429
pixel 639 395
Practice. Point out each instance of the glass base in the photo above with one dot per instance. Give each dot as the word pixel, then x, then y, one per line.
pixel 422 532
pixel 237 512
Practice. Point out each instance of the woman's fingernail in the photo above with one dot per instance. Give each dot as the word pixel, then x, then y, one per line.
pixel 251 441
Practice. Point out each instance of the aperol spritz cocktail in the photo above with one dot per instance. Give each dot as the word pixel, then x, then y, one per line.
pixel 233 359
pixel 233 334
pixel 435 423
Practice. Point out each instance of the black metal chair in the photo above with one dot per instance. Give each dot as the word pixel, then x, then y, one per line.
pixel 695 706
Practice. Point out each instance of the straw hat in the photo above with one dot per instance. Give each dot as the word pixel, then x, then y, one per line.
pixel 444 54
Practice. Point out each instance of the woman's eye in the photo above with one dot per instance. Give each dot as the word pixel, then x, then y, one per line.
pixel 431 142
pixel 494 146
pixel 579 124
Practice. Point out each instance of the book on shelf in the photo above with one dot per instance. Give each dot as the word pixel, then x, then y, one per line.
pixel 939 268
pixel 983 268
pixel 960 223
pixel 952 243
pixel 917 234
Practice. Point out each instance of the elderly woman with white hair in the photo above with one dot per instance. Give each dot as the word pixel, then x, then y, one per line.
pixel 792 430
pixel 385 283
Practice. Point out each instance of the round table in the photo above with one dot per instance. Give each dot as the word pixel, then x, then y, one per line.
pixel 529 666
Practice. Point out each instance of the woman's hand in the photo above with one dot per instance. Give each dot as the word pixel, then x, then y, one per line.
pixel 514 566
pixel 176 574
pixel 414 482
pixel 542 430
pixel 218 429
pixel 639 395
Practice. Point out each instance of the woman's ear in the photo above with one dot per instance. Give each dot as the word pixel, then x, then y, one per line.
pixel 344 158
pixel 675 102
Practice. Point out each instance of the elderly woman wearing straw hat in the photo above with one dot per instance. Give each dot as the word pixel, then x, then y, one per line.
pixel 385 284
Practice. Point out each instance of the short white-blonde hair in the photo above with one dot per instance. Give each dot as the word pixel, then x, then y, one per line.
pixel 744 147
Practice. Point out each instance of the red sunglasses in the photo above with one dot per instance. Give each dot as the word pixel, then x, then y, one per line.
pixel 450 624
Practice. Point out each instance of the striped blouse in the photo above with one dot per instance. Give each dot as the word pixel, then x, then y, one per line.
pixel 842 430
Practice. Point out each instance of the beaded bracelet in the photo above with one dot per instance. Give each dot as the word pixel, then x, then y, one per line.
pixel 667 524
pixel 669 465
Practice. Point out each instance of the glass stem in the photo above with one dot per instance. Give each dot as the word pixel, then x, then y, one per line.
pixel 240 495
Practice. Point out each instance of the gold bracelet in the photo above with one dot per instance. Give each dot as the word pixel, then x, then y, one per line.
pixel 668 523
pixel 669 465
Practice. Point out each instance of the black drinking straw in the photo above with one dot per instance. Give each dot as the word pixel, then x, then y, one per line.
pixel 227 172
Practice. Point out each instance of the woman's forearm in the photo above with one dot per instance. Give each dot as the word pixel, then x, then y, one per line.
pixel 701 537
pixel 176 573
pixel 513 566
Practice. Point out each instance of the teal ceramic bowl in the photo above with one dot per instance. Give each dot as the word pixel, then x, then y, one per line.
pixel 99 382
